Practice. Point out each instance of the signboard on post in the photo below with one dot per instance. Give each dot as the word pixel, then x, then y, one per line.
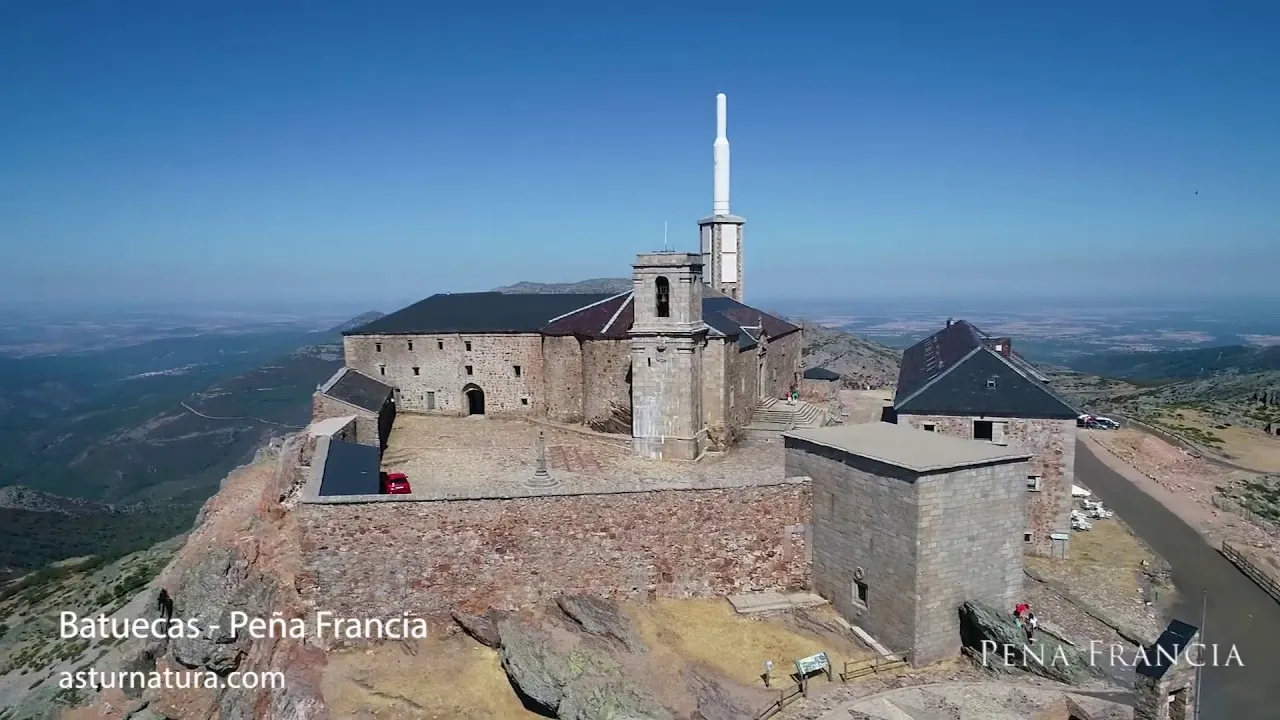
pixel 813 663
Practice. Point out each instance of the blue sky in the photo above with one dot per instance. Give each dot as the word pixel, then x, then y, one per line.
pixel 324 152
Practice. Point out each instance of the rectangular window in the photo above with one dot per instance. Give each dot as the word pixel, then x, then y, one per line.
pixel 382 369
pixel 469 370
pixel 439 344
pixel 860 592
pixel 411 346
pixel 516 368
pixel 524 401
pixel 415 371
pixel 377 347
pixel 982 430
pixel 1033 483
pixel 468 344
pixel 991 383
pixel 930 427
pixel 431 401
pixel 1026 537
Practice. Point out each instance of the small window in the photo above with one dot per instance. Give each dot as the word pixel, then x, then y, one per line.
pixel 382 369
pixel 662 297
pixel 649 362
pixel 410 346
pixel 377 347
pixel 1033 483
pixel 930 427
pixel 524 401
pixel 468 344
pixel 469 370
pixel 991 383
pixel 731 398
pixel 982 430
pixel 439 344
pixel 415 371
pixel 431 400
pixel 860 592
pixel 1026 537
pixel 516 369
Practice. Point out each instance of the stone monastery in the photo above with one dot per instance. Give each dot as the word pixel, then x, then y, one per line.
pixel 678 361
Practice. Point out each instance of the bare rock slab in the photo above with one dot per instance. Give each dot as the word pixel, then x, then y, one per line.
pixel 482 628
pixel 602 618
pixel 996 640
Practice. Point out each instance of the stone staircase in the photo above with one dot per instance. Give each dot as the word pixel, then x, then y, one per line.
pixel 774 416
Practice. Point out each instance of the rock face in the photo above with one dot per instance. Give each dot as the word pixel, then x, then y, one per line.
pixel 602 618
pixel 570 680
pixel 482 628
pixel 1000 645
pixel 218 584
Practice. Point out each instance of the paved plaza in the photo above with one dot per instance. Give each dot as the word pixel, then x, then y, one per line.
pixel 480 457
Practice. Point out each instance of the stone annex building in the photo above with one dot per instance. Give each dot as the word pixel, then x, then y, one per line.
pixel 961 381
pixel 678 362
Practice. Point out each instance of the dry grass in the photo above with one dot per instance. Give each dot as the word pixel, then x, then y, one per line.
pixel 457 678
pixel 1246 446
pixel 454 678
pixel 709 631
pixel 1108 556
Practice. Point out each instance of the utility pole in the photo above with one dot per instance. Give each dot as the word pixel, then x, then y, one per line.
pixel 1204 614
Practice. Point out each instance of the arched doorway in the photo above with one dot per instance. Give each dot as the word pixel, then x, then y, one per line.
pixel 474 397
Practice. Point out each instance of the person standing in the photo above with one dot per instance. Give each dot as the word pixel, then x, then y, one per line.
pixel 1032 624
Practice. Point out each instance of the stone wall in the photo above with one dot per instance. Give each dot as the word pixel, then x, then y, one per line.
pixel 441 376
pixel 782 364
pixel 607 395
pixel 920 545
pixel 324 407
pixel 379 560
pixel 819 392
pixel 563 378
pixel 1052 444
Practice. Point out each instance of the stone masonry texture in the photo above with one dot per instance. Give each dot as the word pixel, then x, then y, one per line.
pixel 430 558
pixel 920 545
pixel 324 407
pixel 1052 444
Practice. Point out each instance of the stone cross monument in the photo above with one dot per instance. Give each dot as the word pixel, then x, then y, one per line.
pixel 541 478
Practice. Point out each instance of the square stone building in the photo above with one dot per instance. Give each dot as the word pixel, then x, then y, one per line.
pixel 908 525
pixel 965 383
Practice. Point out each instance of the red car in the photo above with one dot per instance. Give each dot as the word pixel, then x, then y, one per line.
pixel 396 484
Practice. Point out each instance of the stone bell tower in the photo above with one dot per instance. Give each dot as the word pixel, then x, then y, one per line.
pixel 667 339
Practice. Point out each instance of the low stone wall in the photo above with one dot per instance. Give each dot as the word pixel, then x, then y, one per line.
pixel 383 559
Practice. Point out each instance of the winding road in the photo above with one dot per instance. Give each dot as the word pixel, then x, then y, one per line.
pixel 1239 612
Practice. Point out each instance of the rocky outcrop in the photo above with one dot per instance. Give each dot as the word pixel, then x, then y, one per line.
pixel 995 640
pixel 718 700
pixel 562 677
pixel 602 618
pixel 481 628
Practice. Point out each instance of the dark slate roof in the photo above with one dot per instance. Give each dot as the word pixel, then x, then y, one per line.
pixel 611 318
pixel 934 355
pixel 483 312
pixel 608 319
pixel 949 373
pixel 1172 643
pixel 733 319
pixel 358 389
pixel 350 469
pixel 821 374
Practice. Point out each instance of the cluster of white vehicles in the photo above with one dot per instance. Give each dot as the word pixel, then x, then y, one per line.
pixel 1089 509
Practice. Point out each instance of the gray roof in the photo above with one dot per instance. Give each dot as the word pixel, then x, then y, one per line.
pixel 350 469
pixel 905 447
pixel 358 390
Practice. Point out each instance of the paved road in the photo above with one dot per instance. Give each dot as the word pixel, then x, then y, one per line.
pixel 1239 612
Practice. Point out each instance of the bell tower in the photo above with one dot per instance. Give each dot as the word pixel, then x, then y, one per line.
pixel 667 338
pixel 722 231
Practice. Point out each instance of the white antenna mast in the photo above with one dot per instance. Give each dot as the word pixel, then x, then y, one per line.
pixel 665 247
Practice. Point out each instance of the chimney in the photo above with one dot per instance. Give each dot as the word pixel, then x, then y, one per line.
pixel 948 322
pixel 1002 345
